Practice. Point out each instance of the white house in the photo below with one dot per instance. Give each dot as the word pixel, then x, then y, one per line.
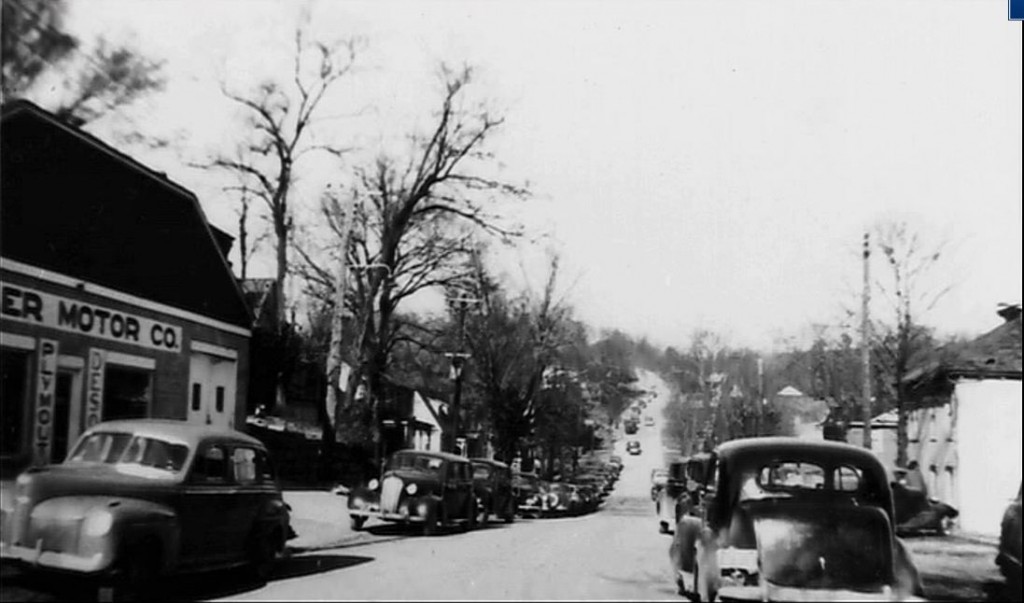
pixel 964 424
pixel 427 418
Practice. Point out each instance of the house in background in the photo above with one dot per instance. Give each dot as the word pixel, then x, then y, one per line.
pixel 964 424
pixel 801 415
pixel 883 437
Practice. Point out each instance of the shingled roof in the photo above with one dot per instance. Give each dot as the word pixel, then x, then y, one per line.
pixel 996 354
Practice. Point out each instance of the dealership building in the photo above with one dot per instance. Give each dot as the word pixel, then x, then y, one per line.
pixel 118 300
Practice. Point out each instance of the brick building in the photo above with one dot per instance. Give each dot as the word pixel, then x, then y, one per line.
pixel 118 300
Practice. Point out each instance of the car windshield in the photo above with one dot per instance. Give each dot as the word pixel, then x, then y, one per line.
pixel 414 462
pixel 481 472
pixel 129 450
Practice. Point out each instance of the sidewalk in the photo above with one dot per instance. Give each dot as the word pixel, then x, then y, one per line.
pixel 320 519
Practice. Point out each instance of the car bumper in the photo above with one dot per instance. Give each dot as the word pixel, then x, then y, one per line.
pixel 38 558
pixel 787 593
pixel 404 516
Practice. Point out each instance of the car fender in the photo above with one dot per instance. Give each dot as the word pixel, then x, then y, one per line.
pixel 683 550
pixel 273 515
pixel 134 521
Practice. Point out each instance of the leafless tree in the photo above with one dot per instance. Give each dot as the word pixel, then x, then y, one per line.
pixel 419 216
pixel 909 293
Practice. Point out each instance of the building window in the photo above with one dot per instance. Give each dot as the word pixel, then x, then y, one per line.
pixel 13 401
pixel 220 398
pixel 197 396
pixel 127 393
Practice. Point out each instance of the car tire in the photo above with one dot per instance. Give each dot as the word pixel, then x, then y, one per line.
pixel 430 523
pixel 356 522
pixel 139 571
pixel 510 514
pixel 470 523
pixel 261 553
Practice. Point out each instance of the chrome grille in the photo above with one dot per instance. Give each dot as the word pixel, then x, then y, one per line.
pixel 390 491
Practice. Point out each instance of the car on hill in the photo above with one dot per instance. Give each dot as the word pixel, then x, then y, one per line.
pixel 431 489
pixel 633 447
pixel 136 500
pixel 784 519
pixel 530 493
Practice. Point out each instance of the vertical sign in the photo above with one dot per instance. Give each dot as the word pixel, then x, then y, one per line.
pixel 46 387
pixel 94 398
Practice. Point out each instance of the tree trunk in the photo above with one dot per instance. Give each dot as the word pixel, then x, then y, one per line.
pixel 334 362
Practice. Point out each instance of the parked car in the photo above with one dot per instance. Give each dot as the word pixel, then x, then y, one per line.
pixel 492 484
pixel 917 513
pixel 789 519
pixel 433 489
pixel 561 500
pixel 530 494
pixel 1008 558
pixel 659 477
pixel 137 500
pixel 633 447
pixel 649 421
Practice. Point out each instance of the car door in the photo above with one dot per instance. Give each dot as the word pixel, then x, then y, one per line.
pixel 207 506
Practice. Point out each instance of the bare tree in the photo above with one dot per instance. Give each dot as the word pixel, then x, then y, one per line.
pixel 910 294
pixel 98 81
pixel 420 215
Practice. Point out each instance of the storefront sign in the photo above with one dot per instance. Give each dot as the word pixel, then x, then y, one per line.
pixel 94 388
pixel 45 389
pixel 36 307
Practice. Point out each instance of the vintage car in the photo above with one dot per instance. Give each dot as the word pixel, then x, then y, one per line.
pixel 682 490
pixel 492 484
pixel 138 499
pixel 562 499
pixel 530 493
pixel 917 513
pixel 659 477
pixel 633 447
pixel 434 489
pixel 1008 558
pixel 784 519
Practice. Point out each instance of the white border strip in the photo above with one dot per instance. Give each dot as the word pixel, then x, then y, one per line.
pixel 214 350
pixel 74 283
pixel 18 342
pixel 141 362
pixel 71 362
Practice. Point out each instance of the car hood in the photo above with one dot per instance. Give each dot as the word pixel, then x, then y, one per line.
pixel 97 479
pixel 823 545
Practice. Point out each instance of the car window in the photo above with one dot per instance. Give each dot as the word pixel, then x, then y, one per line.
pixel 481 471
pixel 243 465
pixel 265 467
pixel 127 450
pixel 211 466
pixel 846 479
pixel 791 475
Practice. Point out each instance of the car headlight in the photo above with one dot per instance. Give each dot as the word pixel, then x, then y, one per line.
pixel 373 484
pixel 411 489
pixel 98 523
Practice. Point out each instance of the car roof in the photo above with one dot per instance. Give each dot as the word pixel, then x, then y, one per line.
pixel 447 456
pixel 738 450
pixel 188 433
pixel 491 462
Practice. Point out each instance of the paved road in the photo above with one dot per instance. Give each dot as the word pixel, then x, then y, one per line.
pixel 615 553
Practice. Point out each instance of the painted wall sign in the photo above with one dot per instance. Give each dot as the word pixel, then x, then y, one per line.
pixel 94 388
pixel 36 307
pixel 46 387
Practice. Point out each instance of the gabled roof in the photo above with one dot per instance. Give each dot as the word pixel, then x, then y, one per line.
pixel 996 354
pixel 789 390
pixel 75 206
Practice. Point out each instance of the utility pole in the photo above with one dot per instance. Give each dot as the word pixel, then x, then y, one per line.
pixel 458 360
pixel 347 217
pixel 865 346
pixel 760 396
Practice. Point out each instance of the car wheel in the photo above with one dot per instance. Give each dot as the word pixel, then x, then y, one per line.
pixel 470 522
pixel 510 514
pixel 356 522
pixel 430 526
pixel 140 569
pixel 262 553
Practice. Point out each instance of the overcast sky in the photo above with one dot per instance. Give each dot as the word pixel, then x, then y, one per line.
pixel 696 163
